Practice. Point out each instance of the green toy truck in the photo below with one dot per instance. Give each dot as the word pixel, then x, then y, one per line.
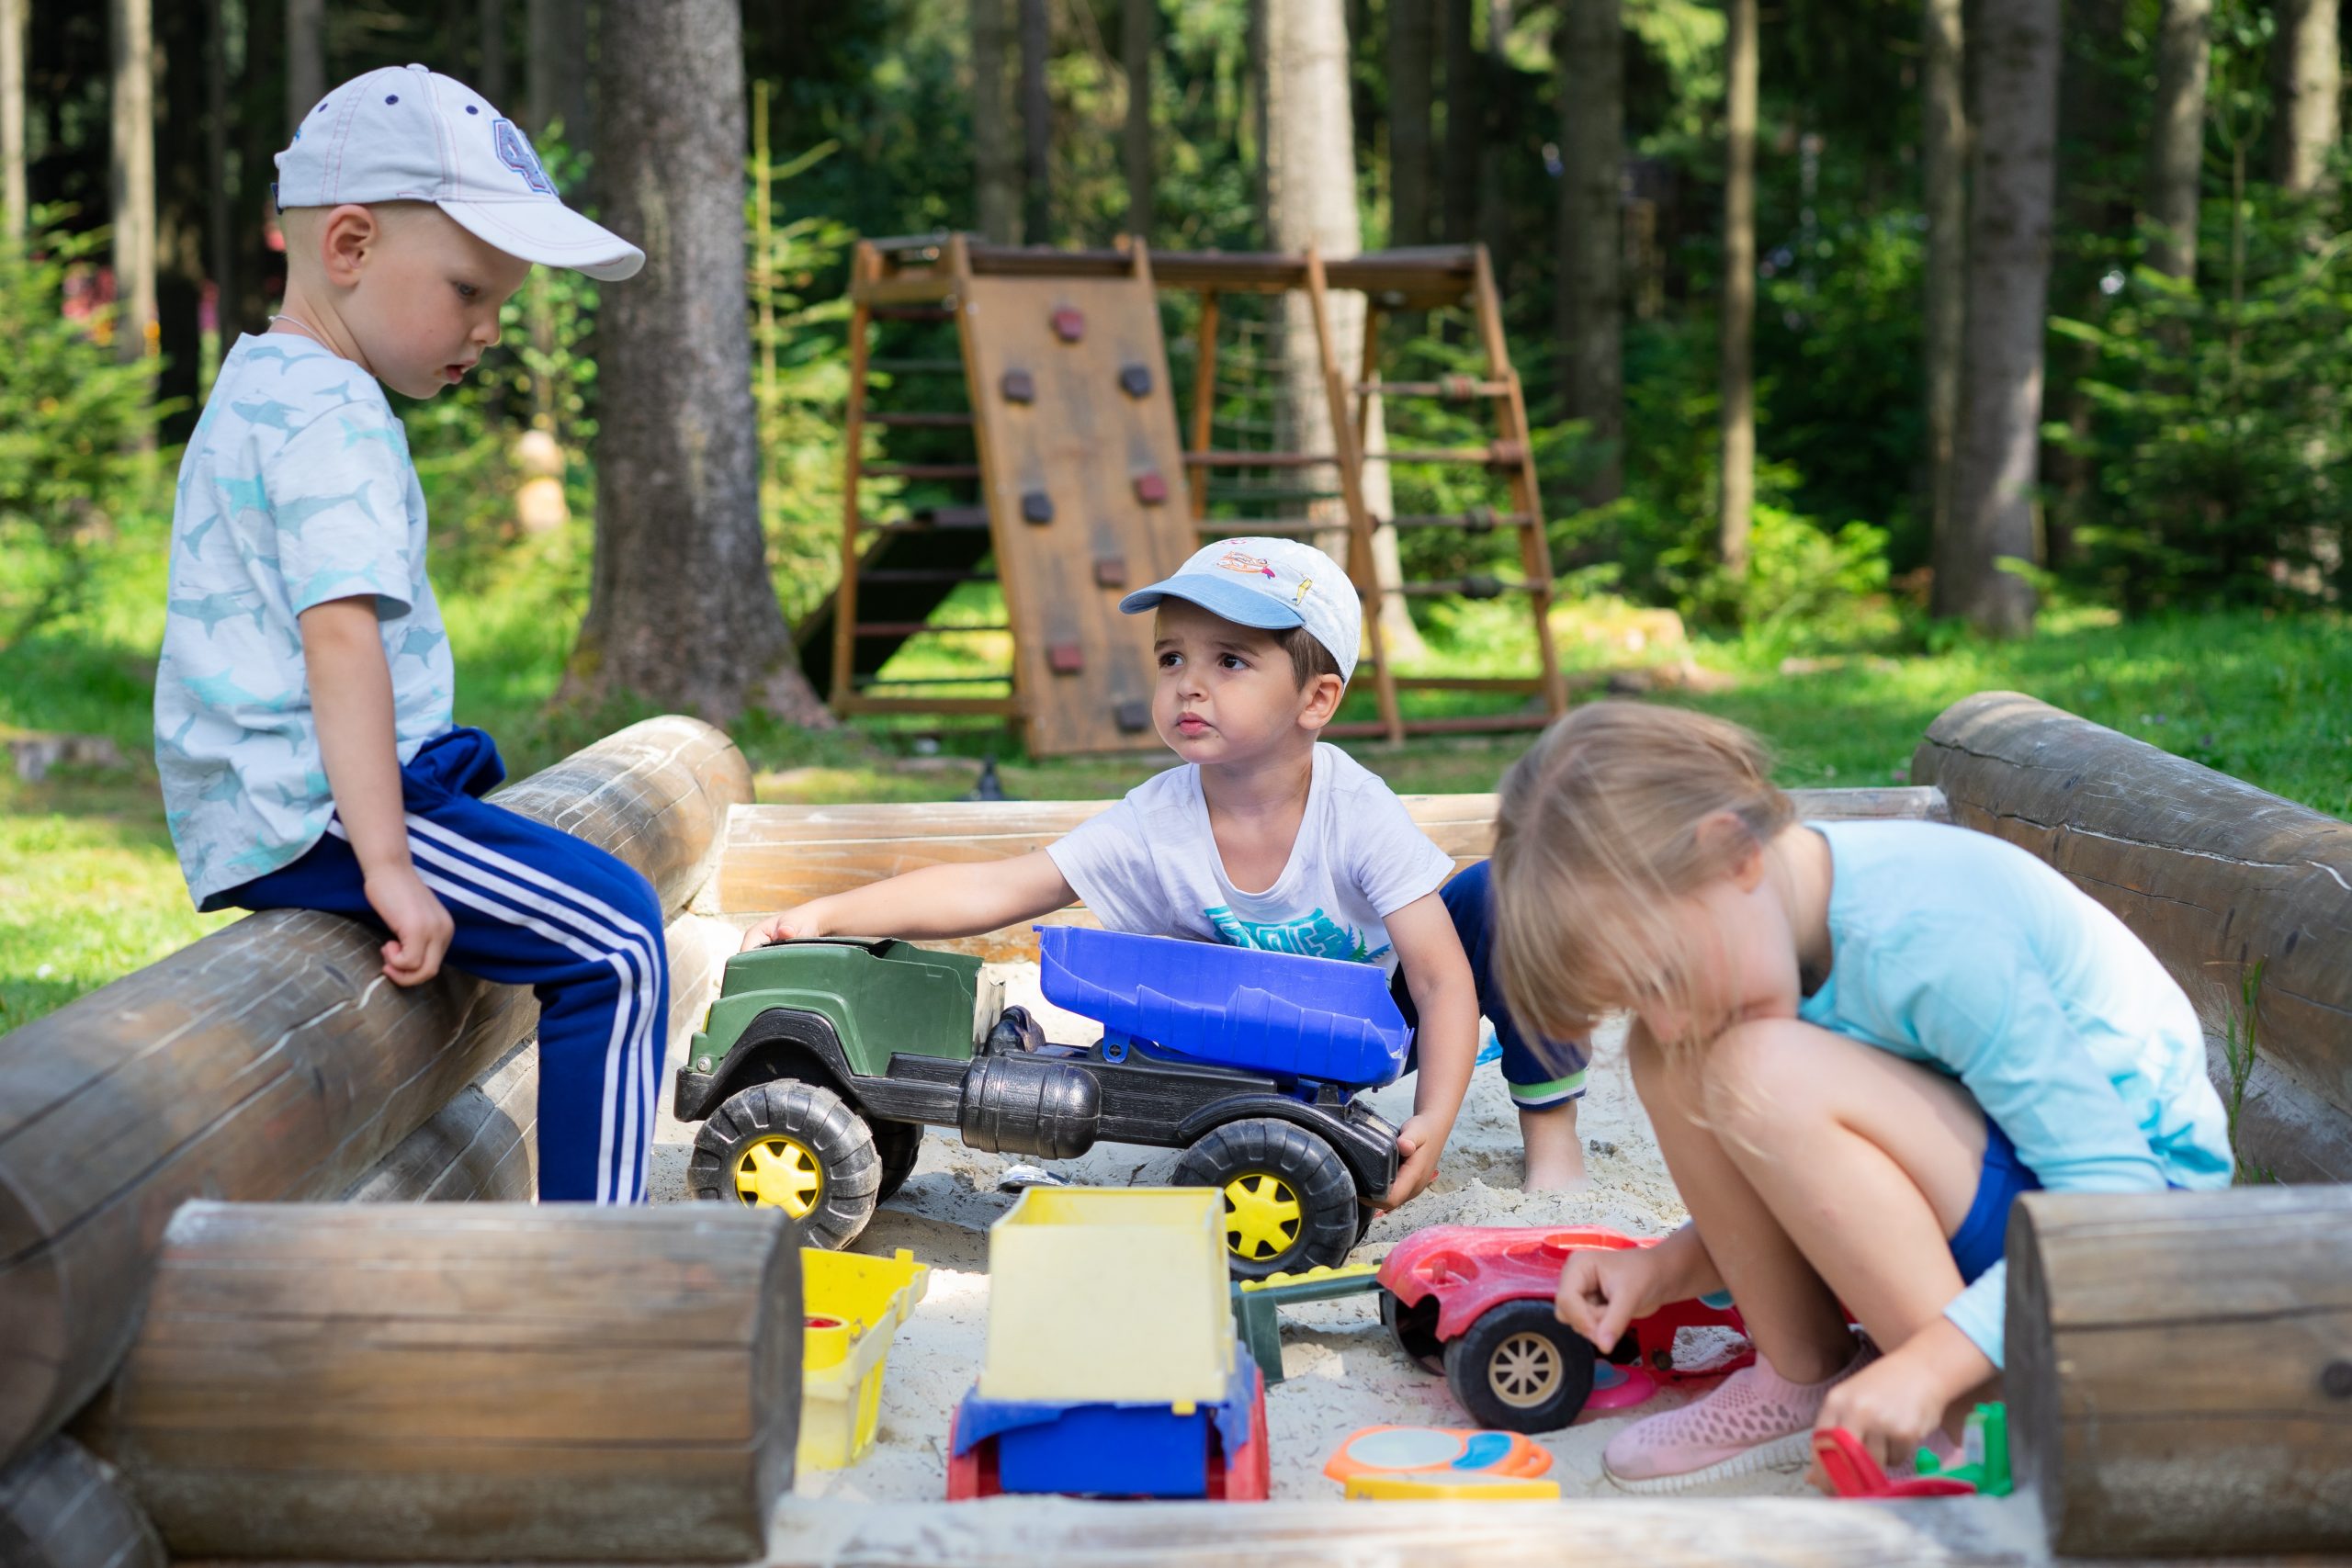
pixel 822 1062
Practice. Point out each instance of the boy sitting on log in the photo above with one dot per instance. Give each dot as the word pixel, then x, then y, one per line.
pixel 1265 838
pixel 303 727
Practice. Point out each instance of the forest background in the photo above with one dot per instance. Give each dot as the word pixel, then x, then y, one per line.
pixel 1870 336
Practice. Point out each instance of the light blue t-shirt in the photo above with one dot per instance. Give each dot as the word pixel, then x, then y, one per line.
pixel 1961 951
pixel 297 489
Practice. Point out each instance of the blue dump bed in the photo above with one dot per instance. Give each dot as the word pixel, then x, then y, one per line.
pixel 1269 1013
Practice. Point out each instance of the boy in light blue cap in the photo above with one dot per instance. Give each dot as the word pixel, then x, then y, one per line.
pixel 1265 838
pixel 303 727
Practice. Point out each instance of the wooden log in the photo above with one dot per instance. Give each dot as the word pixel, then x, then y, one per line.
pixel 779 856
pixel 482 1146
pixel 2212 874
pixel 2180 1369
pixel 1752 1532
pixel 462 1382
pixel 271 1061
pixel 61 1506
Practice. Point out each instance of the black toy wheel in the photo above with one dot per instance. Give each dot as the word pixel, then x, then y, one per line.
pixel 1289 1201
pixel 1414 1330
pixel 1519 1369
pixel 791 1145
pixel 898 1144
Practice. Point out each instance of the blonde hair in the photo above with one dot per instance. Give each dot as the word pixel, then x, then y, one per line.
pixel 1617 810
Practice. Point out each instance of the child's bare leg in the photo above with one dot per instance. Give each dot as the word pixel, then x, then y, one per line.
pixel 1791 1315
pixel 1555 1151
pixel 1867 1162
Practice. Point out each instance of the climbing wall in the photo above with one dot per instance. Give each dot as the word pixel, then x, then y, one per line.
pixel 1083 476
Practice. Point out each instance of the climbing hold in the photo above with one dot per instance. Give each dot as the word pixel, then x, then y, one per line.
pixel 1150 488
pixel 1478 585
pixel 1018 387
pixel 1135 381
pixel 1036 506
pixel 1110 571
pixel 1134 716
pixel 1065 658
pixel 1069 323
pixel 1479 519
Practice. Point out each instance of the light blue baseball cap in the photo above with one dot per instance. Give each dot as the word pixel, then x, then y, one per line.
pixel 1271 585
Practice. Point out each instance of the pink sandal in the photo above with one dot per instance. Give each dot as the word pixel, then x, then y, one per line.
pixel 1755 1419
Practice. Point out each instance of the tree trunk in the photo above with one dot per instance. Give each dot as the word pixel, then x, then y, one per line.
pixel 1037 127
pixel 2016 47
pixel 15 204
pixel 490 78
pixel 1737 495
pixel 220 181
pixel 682 608
pixel 1464 107
pixel 1140 21
pixel 1944 160
pixel 2310 79
pixel 1311 186
pixel 1498 140
pixel 2177 140
pixel 556 73
pixel 306 58
pixel 1256 41
pixel 1412 45
pixel 998 167
pixel 131 30
pixel 182 45
pixel 1593 158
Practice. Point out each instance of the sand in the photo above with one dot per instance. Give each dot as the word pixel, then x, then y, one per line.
pixel 1344 1371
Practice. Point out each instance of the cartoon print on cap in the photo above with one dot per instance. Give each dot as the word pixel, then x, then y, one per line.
pixel 1248 565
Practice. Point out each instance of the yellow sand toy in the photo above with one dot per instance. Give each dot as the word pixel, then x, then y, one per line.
pixel 853 1305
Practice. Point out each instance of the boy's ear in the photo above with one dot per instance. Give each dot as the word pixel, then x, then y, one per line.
pixel 1323 695
pixel 346 239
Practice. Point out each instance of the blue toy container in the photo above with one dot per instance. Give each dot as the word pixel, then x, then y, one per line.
pixel 1315 1018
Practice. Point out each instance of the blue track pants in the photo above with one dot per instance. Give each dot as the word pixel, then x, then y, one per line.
pixel 533 907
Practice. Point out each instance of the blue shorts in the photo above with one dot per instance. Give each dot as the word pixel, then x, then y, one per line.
pixel 1976 1246
pixel 1543 1076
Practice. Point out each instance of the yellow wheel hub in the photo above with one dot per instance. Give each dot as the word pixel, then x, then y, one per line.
pixel 1261 1216
pixel 779 1173
pixel 1525 1370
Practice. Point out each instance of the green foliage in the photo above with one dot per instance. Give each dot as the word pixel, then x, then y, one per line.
pixel 1806 587
pixel 2238 1052
pixel 76 427
pixel 2224 472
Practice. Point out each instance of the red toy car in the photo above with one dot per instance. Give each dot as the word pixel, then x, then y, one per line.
pixel 1474 1304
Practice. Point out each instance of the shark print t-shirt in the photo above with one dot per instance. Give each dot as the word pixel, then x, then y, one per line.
pixel 1150 865
pixel 297 489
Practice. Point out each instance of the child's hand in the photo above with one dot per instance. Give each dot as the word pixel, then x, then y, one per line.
pixel 420 924
pixel 1604 1290
pixel 795 924
pixel 1420 1140
pixel 1891 1404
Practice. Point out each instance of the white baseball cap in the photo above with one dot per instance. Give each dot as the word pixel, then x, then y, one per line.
pixel 1272 584
pixel 405 133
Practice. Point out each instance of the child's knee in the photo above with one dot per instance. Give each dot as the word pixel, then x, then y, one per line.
pixel 1763 1073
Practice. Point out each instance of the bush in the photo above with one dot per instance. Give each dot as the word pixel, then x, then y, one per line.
pixel 75 430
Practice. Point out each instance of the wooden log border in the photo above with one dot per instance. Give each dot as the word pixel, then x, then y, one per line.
pixel 61 1506
pixel 2180 1369
pixel 272 1061
pixel 2212 873
pixel 780 855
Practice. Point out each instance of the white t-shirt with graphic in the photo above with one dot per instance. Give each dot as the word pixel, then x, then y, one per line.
pixel 1150 865
pixel 297 489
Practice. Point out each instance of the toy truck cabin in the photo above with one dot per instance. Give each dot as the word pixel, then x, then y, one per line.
pixel 822 1062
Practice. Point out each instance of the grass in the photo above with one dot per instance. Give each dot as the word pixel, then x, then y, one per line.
pixel 89 887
